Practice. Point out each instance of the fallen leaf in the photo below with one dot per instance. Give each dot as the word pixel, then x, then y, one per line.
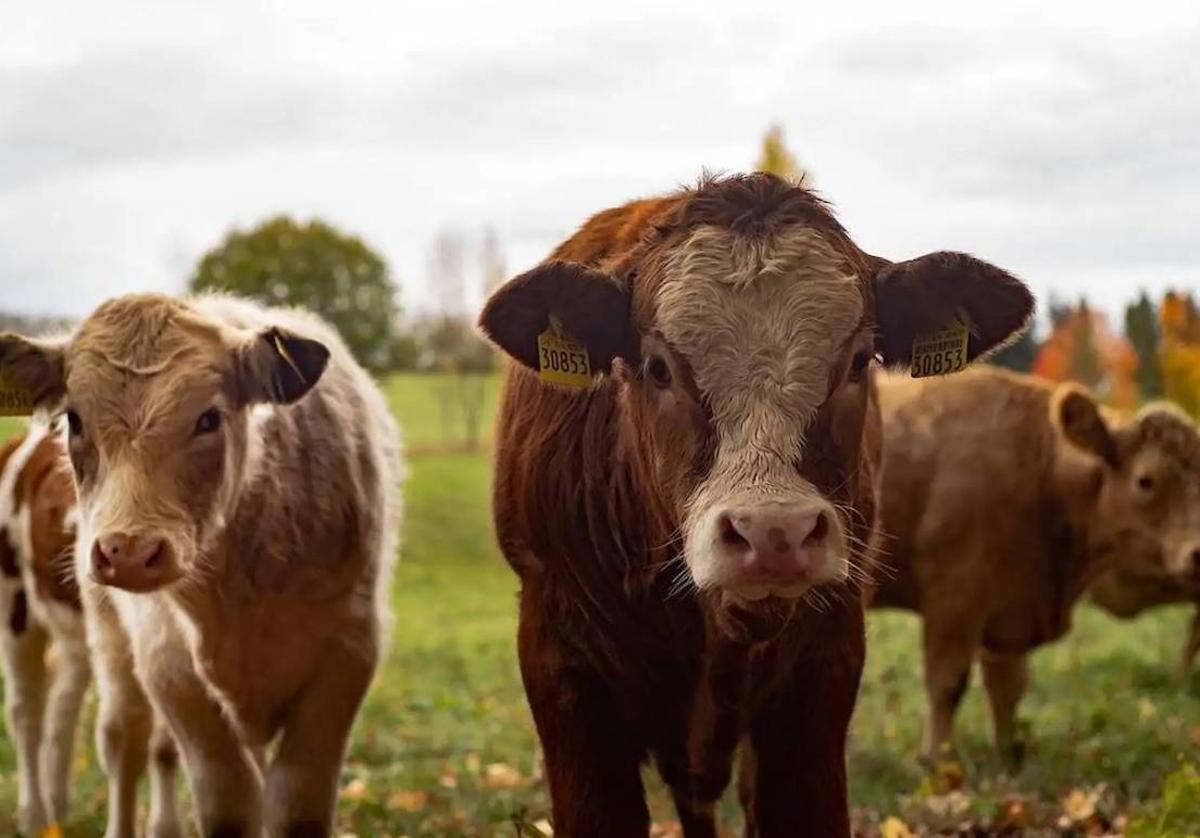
pixel 499 775
pixel 1014 815
pixel 1079 805
pixel 448 780
pixel 408 801
pixel 355 790
pixel 473 763
pixel 543 826
pixel 669 829
pixel 893 827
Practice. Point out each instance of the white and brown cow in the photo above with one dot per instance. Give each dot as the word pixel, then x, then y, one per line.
pixel 238 480
pixel 39 604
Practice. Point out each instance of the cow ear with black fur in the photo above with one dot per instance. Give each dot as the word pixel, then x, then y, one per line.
pixel 592 307
pixel 36 367
pixel 1079 418
pixel 926 294
pixel 279 366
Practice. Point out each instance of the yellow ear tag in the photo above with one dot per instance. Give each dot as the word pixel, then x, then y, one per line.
pixel 561 360
pixel 941 352
pixel 14 400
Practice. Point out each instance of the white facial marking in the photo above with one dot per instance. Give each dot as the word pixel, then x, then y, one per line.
pixel 760 321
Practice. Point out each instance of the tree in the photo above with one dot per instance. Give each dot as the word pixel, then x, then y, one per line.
pixel 775 158
pixel 1180 324
pixel 452 345
pixel 1142 332
pixel 1020 354
pixel 1082 348
pixel 313 265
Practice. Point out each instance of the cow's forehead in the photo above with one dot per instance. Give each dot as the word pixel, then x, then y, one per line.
pixel 760 320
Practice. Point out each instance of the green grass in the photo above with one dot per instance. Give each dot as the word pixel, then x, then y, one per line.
pixel 445 745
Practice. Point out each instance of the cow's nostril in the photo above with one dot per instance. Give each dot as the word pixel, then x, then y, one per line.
pixel 729 534
pixel 100 559
pixel 819 531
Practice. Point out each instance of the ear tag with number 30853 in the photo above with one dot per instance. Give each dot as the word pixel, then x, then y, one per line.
pixel 562 360
pixel 14 400
pixel 941 352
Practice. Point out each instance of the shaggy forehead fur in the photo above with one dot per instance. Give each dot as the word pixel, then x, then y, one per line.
pixel 1166 427
pixel 145 357
pixel 760 319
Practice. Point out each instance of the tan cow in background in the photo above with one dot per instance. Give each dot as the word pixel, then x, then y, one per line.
pixel 238 480
pixel 1002 497
pixel 39 612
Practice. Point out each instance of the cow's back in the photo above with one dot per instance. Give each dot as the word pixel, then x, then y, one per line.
pixel 966 461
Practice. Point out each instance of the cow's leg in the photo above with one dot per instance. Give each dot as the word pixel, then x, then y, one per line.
pixel 1192 646
pixel 797 770
pixel 165 821
pixel 226 784
pixel 23 655
pixel 123 718
pixel 302 779
pixel 1005 677
pixel 68 685
pixel 592 763
pixel 950 643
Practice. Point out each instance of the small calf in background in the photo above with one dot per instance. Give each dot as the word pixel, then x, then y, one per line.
pixel 238 480
pixel 40 611
pixel 1002 498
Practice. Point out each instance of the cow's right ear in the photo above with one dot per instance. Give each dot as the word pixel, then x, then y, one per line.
pixel 34 366
pixel 592 307
pixel 1079 418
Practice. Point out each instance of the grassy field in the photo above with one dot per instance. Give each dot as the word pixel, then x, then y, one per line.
pixel 445 745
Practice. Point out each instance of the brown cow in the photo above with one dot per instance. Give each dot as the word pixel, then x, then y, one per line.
pixel 40 609
pixel 1001 498
pixel 238 477
pixel 690 530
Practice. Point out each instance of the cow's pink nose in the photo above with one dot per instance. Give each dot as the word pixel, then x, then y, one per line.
pixel 135 563
pixel 776 543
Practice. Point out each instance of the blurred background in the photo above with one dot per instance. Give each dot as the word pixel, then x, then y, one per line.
pixel 387 164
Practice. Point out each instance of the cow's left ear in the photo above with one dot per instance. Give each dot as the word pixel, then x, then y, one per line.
pixel 36 367
pixel 593 308
pixel 926 294
pixel 278 366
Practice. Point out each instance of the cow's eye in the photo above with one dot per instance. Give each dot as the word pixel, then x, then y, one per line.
pixel 858 366
pixel 74 423
pixel 1145 483
pixel 208 422
pixel 659 372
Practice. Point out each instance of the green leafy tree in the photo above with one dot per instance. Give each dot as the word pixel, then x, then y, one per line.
pixel 313 265
pixel 1143 332
pixel 775 158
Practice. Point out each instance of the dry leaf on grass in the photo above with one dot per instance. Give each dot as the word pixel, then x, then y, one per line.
pixel 408 801
pixel 893 827
pixel 500 775
pixel 668 829
pixel 543 826
pixel 355 790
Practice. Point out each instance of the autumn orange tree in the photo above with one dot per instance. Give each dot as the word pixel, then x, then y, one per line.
pixel 775 158
pixel 1180 353
pixel 1082 347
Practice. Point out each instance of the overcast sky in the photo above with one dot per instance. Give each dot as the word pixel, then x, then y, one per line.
pixel 1059 140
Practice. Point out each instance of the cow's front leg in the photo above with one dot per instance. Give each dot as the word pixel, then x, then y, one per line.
pixel 165 820
pixel 1191 647
pixel 68 686
pixel 22 654
pixel 1005 677
pixel 123 717
pixel 226 784
pixel 592 762
pixel 794 772
pixel 302 780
